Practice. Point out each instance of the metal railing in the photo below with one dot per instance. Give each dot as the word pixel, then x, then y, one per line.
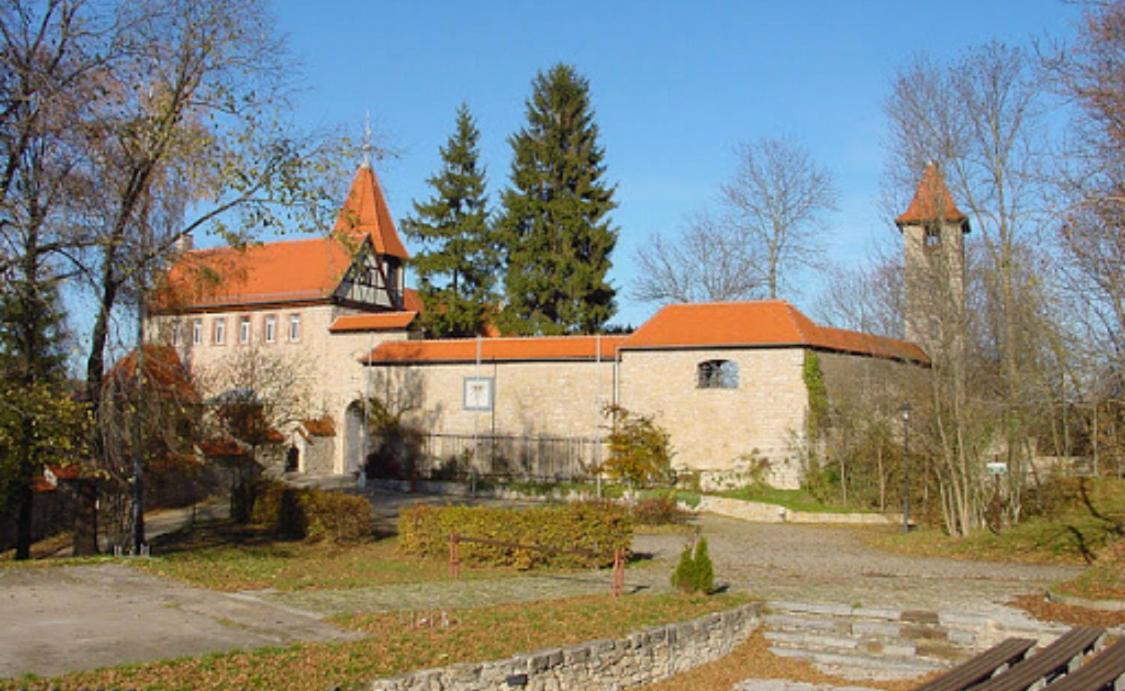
pixel 512 456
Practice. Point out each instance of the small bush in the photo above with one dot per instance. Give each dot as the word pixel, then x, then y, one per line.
pixel 312 514
pixel 598 527
pixel 658 510
pixel 694 573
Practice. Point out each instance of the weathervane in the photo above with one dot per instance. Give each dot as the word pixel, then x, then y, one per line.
pixel 367 139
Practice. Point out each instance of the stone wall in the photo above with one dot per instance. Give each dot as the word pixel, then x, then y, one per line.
pixel 640 658
pixel 719 430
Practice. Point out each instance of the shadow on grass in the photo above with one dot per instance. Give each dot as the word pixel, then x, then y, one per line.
pixel 227 533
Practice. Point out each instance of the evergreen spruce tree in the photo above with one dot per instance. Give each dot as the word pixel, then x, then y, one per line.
pixel 683 578
pixel 457 265
pixel 704 570
pixel 555 232
pixel 40 422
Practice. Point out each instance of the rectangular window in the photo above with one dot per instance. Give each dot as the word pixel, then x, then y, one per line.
pixel 294 327
pixel 176 333
pixel 197 331
pixel 220 330
pixel 270 329
pixel 244 330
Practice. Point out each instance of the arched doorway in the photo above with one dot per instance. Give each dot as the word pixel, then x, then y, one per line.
pixel 355 437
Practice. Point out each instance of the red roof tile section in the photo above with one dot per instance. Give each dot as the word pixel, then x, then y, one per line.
pixel 292 271
pixel 932 201
pixel 163 369
pixel 365 212
pixel 498 349
pixel 752 324
pixel 381 321
pixel 768 323
pixel 412 301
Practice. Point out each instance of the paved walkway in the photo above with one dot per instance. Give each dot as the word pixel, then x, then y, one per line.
pixel 58 620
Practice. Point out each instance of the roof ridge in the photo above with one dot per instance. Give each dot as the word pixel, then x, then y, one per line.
pixel 497 339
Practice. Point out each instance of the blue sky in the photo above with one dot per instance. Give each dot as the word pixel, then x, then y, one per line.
pixel 674 84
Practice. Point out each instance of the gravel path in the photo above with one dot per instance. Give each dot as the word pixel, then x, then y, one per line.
pixel 831 564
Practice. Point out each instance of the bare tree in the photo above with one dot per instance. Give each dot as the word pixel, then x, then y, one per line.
pixel 980 120
pixel 708 262
pixel 765 228
pixel 777 201
pixel 257 395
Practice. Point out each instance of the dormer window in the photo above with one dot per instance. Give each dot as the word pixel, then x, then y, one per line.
pixel 717 374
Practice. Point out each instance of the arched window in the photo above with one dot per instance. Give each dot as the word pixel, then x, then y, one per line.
pixel 717 374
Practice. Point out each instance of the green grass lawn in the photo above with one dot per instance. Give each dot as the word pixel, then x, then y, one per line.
pixel 223 556
pixel 397 645
pixel 792 499
pixel 1073 535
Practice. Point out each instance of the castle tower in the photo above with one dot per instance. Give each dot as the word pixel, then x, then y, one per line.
pixel 933 243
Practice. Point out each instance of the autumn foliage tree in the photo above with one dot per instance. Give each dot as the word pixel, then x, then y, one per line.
pixel 639 449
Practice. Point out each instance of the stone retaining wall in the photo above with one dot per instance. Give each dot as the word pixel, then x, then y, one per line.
pixel 640 658
pixel 772 513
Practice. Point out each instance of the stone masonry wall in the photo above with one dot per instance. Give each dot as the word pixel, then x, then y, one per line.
pixel 718 430
pixel 640 658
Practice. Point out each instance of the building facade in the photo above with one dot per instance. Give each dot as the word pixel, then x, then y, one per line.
pixel 725 380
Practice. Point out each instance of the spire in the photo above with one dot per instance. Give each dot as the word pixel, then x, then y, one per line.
pixel 932 202
pixel 367 148
pixel 365 212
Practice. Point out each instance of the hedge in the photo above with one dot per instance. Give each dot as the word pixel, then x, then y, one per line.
pixel 312 514
pixel 596 527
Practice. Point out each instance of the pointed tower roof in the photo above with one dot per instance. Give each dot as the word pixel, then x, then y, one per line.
pixel 932 202
pixel 365 212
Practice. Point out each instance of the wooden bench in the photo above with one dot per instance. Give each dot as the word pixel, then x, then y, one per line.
pixel 1057 658
pixel 979 668
pixel 1104 671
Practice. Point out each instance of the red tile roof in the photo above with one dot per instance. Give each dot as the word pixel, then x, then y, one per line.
pixel 365 212
pixel 320 427
pixel 287 271
pixel 162 367
pixel 932 202
pixel 756 324
pixel 767 323
pixel 380 321
pixel 498 349
pixel 290 271
pixel 412 301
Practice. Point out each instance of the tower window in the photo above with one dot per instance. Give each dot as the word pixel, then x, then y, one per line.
pixel 717 374
pixel 932 237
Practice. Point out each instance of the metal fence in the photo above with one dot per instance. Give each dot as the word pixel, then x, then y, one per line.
pixel 509 456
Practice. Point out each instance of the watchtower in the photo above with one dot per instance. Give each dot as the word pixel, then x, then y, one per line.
pixel 933 246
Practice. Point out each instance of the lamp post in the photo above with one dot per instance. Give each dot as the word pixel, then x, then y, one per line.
pixel 905 410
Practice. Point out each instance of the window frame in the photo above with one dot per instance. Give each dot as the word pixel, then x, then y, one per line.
pixel 269 328
pixel 718 373
pixel 219 331
pixel 294 330
pixel 245 328
pixel 197 331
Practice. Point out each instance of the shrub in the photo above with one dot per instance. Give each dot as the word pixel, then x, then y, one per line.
pixel 597 527
pixel 312 514
pixel 694 573
pixel 683 577
pixel 657 510
pixel 639 449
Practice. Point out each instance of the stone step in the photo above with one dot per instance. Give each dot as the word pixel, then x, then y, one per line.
pixel 872 630
pixel 841 644
pixel 859 666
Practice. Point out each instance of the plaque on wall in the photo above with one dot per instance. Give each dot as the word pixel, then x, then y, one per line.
pixel 478 393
